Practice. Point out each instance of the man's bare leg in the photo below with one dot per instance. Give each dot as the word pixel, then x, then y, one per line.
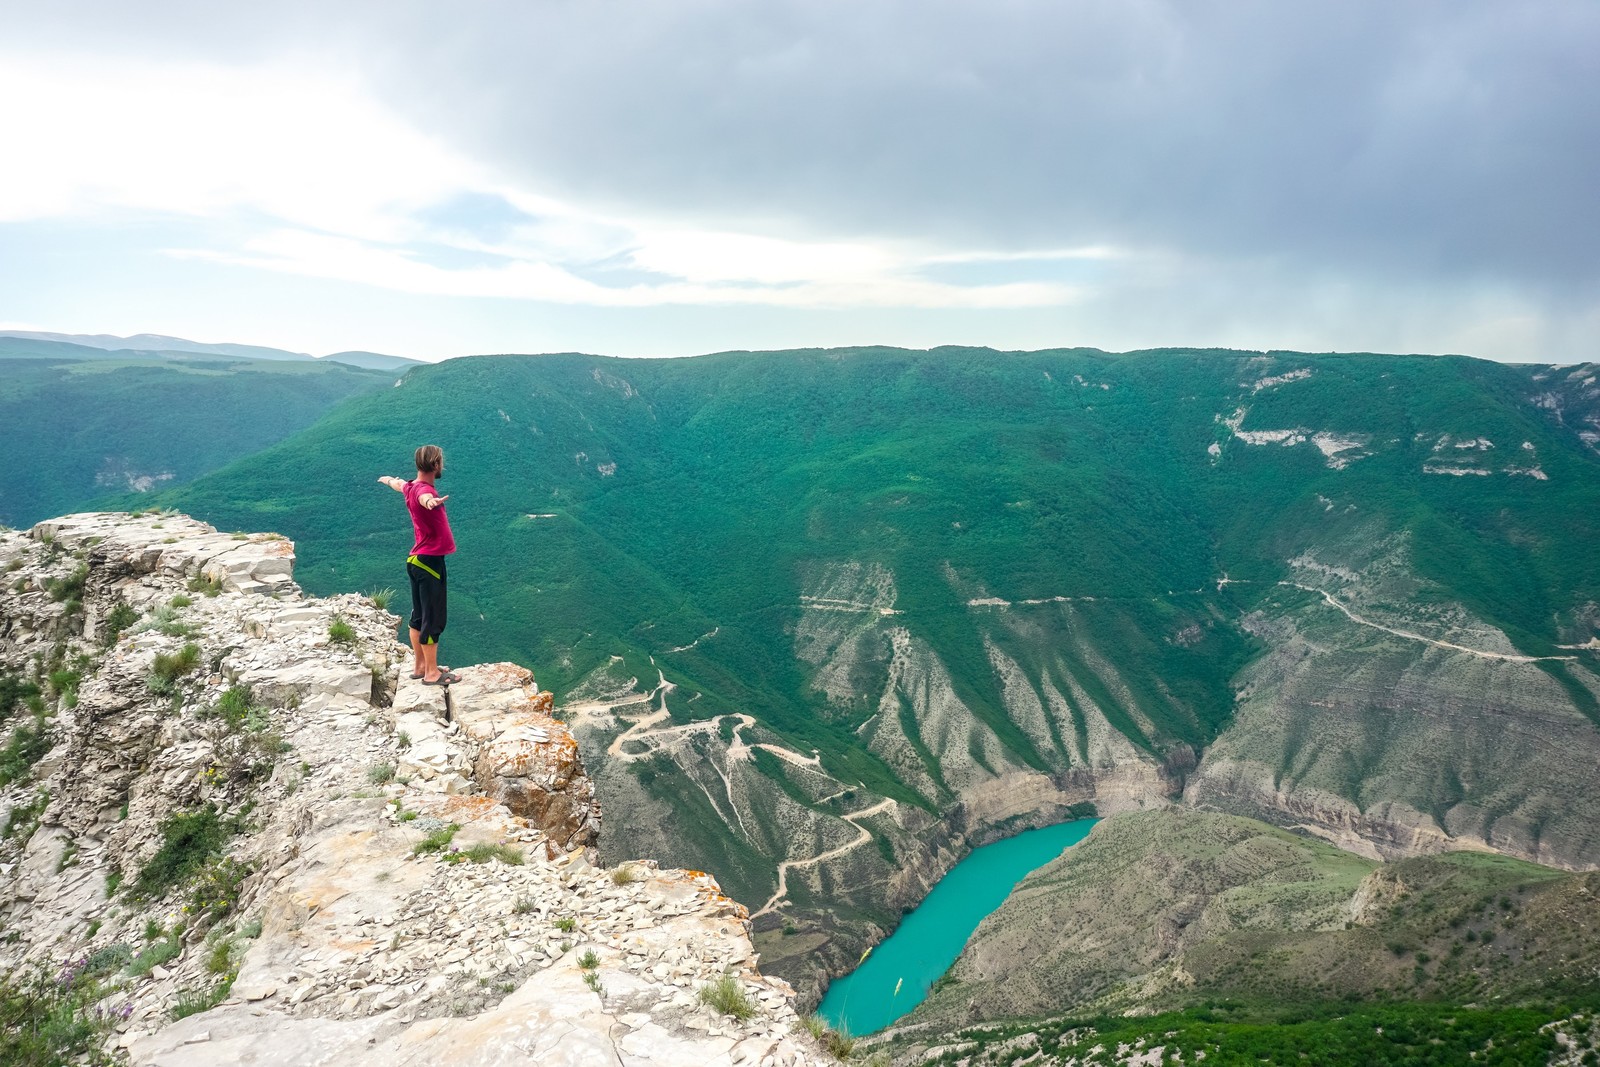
pixel 430 662
pixel 420 665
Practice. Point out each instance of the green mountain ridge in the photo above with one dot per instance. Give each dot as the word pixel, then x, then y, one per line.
pixel 151 344
pixel 88 425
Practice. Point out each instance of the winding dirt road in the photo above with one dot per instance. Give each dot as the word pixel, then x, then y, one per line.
pixel 785 866
pixel 1508 657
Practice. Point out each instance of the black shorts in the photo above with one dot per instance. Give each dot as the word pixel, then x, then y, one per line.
pixel 427 596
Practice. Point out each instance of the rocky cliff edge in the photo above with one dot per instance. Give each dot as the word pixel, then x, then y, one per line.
pixel 236 821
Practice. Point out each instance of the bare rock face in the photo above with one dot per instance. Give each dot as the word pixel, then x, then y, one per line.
pixel 120 546
pixel 841 841
pixel 382 872
pixel 534 770
pixel 493 733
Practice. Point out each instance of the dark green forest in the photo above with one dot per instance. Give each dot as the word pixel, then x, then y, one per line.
pixel 90 429
pixel 1232 1034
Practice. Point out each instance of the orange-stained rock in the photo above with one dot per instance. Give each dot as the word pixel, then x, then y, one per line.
pixel 525 759
pixel 542 781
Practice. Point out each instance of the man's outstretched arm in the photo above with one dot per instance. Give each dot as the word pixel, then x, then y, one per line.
pixel 397 484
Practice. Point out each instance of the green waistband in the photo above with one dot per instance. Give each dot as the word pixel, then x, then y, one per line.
pixel 418 561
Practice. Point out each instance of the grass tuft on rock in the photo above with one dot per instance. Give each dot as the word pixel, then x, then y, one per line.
pixel 205 586
pixel 436 841
pixel 234 706
pixel 727 996
pixel 483 853
pixel 158 953
pixel 193 1002
pixel 69 588
pixel 166 669
pixel 117 620
pixel 28 744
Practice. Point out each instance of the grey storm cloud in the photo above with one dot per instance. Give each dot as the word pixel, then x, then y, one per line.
pixel 1430 138
pixel 1419 139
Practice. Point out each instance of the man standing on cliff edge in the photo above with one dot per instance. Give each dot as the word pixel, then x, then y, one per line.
pixel 425 565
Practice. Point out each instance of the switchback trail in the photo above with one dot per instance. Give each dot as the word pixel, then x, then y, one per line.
pixel 812 861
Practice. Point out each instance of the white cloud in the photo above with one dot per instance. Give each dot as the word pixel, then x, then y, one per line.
pixel 321 180
pixel 701 256
pixel 285 141
pixel 345 259
pixel 1041 173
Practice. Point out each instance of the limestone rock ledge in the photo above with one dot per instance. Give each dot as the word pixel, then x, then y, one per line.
pixel 346 943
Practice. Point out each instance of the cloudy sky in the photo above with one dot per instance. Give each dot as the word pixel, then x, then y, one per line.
pixel 665 178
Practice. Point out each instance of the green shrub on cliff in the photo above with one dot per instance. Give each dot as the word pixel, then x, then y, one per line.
pixel 234 706
pixel 167 668
pixel 188 841
pixel 14 691
pixel 117 620
pixel 69 588
pixel 28 744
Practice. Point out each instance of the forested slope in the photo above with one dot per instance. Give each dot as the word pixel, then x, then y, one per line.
pixel 85 425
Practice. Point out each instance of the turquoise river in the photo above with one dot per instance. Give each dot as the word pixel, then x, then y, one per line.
pixel 899 972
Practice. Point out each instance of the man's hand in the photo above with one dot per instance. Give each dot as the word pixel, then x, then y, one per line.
pixel 430 502
pixel 397 484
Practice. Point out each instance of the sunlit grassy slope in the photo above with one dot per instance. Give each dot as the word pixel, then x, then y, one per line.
pixel 627 507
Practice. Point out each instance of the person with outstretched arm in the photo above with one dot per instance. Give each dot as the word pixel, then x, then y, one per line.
pixel 425 565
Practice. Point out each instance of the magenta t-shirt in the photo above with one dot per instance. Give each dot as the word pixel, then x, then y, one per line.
pixel 431 524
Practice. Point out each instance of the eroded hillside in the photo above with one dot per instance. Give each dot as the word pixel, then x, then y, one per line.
pixel 1234 928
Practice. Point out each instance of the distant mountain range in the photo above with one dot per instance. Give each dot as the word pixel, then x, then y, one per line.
pixel 84 346
pixel 86 424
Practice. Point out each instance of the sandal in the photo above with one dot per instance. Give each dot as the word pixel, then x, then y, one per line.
pixel 445 678
pixel 419 675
